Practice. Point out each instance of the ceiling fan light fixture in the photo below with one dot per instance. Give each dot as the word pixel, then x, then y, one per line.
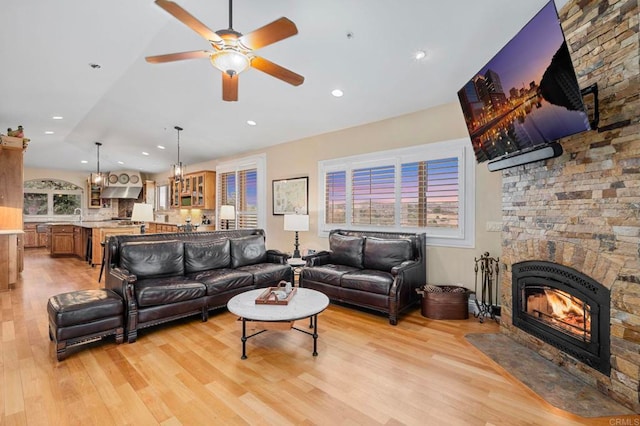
pixel 230 61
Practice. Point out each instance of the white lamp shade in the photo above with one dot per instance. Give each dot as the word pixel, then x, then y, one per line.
pixel 296 222
pixel 227 212
pixel 142 212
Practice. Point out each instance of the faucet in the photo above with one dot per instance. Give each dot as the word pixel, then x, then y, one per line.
pixel 78 211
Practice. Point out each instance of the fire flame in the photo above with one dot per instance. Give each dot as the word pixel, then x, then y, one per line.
pixel 566 307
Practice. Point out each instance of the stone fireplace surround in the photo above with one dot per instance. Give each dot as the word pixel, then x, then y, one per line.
pixel 582 209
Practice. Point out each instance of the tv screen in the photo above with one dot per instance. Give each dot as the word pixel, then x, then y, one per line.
pixel 527 95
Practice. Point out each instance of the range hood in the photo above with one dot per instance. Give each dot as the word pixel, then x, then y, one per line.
pixel 131 192
pixel 124 184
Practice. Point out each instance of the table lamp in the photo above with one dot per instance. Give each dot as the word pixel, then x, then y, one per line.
pixel 142 213
pixel 296 222
pixel 227 213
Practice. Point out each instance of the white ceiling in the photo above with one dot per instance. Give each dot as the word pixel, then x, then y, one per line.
pixel 132 106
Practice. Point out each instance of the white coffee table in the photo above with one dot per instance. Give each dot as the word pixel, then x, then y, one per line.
pixel 306 303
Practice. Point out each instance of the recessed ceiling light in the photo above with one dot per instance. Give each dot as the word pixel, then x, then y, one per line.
pixel 49 132
pixel 84 161
pixel 251 123
pixel 160 147
pixel 120 162
pixel 57 117
pixel 145 153
pixel 337 93
pixel 420 54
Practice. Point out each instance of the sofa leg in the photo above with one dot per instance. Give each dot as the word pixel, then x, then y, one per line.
pixel 61 350
pixel 132 336
pixel 205 314
pixel 119 335
pixel 393 320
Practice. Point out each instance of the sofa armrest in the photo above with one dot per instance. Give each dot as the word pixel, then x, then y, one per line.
pixel 318 259
pixel 277 256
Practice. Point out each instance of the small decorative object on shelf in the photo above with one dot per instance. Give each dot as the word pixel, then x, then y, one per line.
pixel 489 268
pixel 280 295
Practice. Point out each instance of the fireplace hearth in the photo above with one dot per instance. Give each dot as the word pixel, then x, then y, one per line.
pixel 565 309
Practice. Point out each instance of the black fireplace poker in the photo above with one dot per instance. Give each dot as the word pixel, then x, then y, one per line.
pixel 489 268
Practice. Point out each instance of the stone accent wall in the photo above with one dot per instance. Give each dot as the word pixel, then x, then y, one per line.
pixel 582 209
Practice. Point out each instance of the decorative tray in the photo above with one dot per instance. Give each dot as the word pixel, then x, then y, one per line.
pixel 275 296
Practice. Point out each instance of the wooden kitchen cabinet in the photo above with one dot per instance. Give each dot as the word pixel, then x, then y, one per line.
pixel 30 235
pixel 62 240
pixel 198 190
pixel 101 234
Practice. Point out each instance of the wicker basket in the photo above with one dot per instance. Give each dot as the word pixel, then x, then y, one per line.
pixel 445 302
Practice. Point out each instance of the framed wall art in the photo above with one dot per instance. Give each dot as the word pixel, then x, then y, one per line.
pixel 291 196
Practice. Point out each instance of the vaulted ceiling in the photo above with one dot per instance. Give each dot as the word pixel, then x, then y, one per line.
pixel 365 48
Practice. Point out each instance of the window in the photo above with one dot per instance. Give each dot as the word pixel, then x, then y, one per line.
pixel 49 197
pixel 241 185
pixel 162 197
pixel 429 189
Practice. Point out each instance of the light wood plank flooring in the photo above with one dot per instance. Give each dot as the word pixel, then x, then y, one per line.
pixel 421 372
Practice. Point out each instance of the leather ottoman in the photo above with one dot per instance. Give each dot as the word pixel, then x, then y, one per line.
pixel 84 316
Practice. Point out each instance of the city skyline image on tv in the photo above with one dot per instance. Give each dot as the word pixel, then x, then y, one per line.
pixel 527 95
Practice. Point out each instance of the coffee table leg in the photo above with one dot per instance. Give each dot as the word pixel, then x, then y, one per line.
pixel 244 339
pixel 314 319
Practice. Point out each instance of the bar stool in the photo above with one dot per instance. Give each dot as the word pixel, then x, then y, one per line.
pixel 104 252
pixel 89 252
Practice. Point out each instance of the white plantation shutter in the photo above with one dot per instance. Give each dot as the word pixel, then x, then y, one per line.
pixel 429 193
pixel 247 206
pixel 428 188
pixel 242 185
pixel 335 197
pixel 373 196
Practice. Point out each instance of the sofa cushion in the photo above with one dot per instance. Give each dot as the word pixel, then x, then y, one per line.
pixel 164 291
pixel 384 254
pixel 368 280
pixel 328 274
pixel 268 273
pixel 147 259
pixel 247 250
pixel 346 250
pixel 221 280
pixel 204 255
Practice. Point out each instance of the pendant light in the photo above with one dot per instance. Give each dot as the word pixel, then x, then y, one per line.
pixel 177 171
pixel 98 178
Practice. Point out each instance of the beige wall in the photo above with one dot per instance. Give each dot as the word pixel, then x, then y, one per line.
pixel 300 158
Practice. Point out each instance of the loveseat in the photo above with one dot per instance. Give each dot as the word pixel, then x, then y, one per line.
pixel 374 270
pixel 162 277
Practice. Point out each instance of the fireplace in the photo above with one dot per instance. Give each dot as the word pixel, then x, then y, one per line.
pixel 565 309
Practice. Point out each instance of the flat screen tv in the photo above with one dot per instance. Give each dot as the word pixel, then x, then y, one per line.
pixel 527 96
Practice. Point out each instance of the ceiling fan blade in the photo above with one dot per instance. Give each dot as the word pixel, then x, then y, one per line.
pixel 270 33
pixel 170 57
pixel 229 87
pixel 277 71
pixel 189 20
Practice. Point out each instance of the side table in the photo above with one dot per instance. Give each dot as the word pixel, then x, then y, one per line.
pixel 296 264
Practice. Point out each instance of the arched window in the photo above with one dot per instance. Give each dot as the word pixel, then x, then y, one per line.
pixel 51 197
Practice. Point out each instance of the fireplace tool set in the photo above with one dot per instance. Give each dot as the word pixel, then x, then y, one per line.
pixel 489 268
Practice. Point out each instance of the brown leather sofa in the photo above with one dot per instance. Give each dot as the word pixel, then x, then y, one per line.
pixel 374 270
pixel 162 277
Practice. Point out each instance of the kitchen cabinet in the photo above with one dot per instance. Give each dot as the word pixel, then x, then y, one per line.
pixel 198 190
pixel 161 228
pixel 62 240
pixel 30 236
pixel 94 194
pixel 35 235
pixel 11 205
pixel 101 234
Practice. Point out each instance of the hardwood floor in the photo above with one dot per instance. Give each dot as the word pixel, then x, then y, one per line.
pixel 421 372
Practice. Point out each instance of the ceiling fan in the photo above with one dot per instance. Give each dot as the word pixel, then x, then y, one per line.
pixel 233 52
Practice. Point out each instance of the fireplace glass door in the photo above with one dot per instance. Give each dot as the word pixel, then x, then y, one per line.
pixel 563 308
